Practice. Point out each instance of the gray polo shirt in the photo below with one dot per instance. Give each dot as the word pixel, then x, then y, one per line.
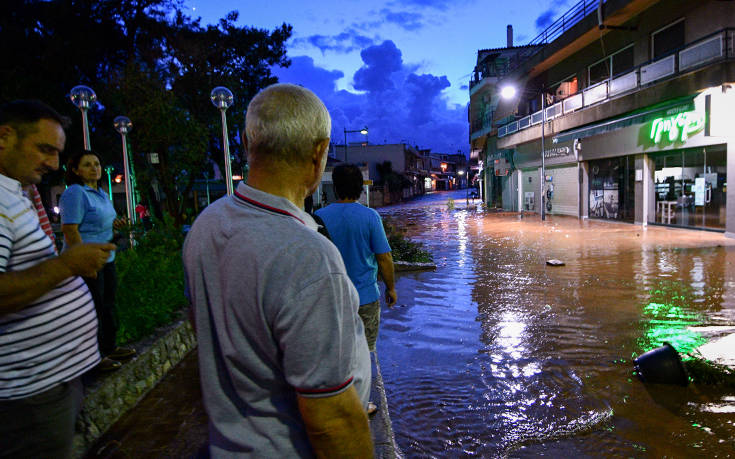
pixel 276 316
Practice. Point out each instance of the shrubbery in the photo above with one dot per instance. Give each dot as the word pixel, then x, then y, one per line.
pixel 403 248
pixel 150 281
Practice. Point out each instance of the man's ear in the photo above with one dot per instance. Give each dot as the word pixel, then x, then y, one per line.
pixel 7 133
pixel 320 149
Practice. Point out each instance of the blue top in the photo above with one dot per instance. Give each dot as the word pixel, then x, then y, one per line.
pixel 92 210
pixel 358 233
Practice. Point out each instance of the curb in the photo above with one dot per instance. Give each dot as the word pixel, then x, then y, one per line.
pixel 384 439
pixel 402 266
pixel 109 397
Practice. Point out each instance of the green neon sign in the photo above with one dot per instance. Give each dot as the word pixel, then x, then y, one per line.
pixel 677 127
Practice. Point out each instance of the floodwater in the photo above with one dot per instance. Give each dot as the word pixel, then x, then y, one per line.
pixel 497 354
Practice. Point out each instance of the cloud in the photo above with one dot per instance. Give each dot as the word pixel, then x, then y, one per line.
pixel 380 62
pixel 404 19
pixel 546 18
pixel 441 5
pixel 346 42
pixel 396 103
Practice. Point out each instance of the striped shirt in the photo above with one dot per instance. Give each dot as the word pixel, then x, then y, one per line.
pixel 53 339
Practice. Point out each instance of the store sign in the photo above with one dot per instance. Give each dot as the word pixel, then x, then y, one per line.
pixel 557 152
pixel 676 127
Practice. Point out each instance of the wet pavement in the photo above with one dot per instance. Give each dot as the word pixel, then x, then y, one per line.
pixel 498 354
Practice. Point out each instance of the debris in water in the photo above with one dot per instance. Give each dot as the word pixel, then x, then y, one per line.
pixel 554 262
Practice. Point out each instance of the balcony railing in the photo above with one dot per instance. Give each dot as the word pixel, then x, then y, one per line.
pixel 568 20
pixel 705 51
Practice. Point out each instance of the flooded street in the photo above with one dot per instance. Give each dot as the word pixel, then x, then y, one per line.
pixel 498 354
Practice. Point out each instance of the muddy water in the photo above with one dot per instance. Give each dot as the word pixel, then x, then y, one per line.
pixel 498 354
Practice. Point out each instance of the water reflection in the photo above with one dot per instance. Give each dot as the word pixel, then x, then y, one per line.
pixel 496 353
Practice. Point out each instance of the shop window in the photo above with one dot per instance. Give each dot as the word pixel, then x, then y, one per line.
pixel 667 40
pixel 612 189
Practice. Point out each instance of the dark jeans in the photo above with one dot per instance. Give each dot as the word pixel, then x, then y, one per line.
pixel 103 292
pixel 41 425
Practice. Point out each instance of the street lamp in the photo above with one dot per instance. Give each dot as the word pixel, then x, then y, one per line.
pixel 83 96
pixel 123 125
pixel 508 92
pixel 363 131
pixel 109 170
pixel 222 98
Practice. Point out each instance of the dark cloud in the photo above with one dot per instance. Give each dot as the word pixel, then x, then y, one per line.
pixel 441 5
pixel 346 42
pixel 397 103
pixel 404 19
pixel 546 18
pixel 423 91
pixel 380 62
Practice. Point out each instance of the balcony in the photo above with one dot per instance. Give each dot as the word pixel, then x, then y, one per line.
pixel 711 49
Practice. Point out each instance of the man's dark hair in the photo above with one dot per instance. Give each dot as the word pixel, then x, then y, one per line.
pixel 21 114
pixel 71 177
pixel 347 180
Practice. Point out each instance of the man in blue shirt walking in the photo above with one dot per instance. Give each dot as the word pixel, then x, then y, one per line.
pixel 358 233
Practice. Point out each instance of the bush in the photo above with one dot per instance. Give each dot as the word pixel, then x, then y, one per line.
pixel 403 248
pixel 150 290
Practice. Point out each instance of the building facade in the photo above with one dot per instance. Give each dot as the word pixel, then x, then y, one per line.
pixel 636 101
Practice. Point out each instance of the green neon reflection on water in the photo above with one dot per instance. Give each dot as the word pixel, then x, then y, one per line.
pixel 667 318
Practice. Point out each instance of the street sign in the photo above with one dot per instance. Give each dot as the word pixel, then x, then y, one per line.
pixel 367 182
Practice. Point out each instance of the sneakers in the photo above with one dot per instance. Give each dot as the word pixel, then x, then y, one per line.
pixel 122 353
pixel 107 364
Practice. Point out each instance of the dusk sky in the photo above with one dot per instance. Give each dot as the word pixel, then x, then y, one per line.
pixel 399 67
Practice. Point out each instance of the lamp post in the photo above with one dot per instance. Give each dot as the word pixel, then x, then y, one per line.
pixel 83 96
pixel 123 125
pixel 109 170
pixel 206 180
pixel 222 98
pixel 363 131
pixel 508 92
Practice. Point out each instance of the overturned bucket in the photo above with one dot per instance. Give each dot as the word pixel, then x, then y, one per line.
pixel 661 366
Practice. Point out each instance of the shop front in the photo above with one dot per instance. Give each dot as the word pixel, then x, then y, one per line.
pixel 561 177
pixel 665 165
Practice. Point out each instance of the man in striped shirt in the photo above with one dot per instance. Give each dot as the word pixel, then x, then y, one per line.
pixel 48 326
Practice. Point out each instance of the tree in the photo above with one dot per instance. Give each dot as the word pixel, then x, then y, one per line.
pixel 145 59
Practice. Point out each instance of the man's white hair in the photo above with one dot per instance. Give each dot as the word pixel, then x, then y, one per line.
pixel 284 122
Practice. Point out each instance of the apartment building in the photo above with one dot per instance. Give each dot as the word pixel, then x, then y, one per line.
pixel 632 103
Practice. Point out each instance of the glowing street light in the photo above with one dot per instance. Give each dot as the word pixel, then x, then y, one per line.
pixel 83 97
pixel 123 125
pixel 508 92
pixel 363 131
pixel 222 98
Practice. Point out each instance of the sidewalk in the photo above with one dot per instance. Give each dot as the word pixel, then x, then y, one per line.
pixel 171 422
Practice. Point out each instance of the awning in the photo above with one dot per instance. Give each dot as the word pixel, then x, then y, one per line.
pixel 643 115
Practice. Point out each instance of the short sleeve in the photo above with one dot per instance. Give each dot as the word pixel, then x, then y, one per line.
pixel 6 242
pixel 378 240
pixel 71 205
pixel 317 334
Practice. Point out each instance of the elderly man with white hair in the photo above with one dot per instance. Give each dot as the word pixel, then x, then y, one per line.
pixel 284 364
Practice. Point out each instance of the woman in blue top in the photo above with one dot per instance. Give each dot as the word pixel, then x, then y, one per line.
pixel 87 215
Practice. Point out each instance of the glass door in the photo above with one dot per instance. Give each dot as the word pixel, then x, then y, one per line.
pixel 715 188
pixel 690 188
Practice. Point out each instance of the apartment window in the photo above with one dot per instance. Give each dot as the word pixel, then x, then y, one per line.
pixel 622 61
pixel 565 88
pixel 668 39
pixel 615 64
